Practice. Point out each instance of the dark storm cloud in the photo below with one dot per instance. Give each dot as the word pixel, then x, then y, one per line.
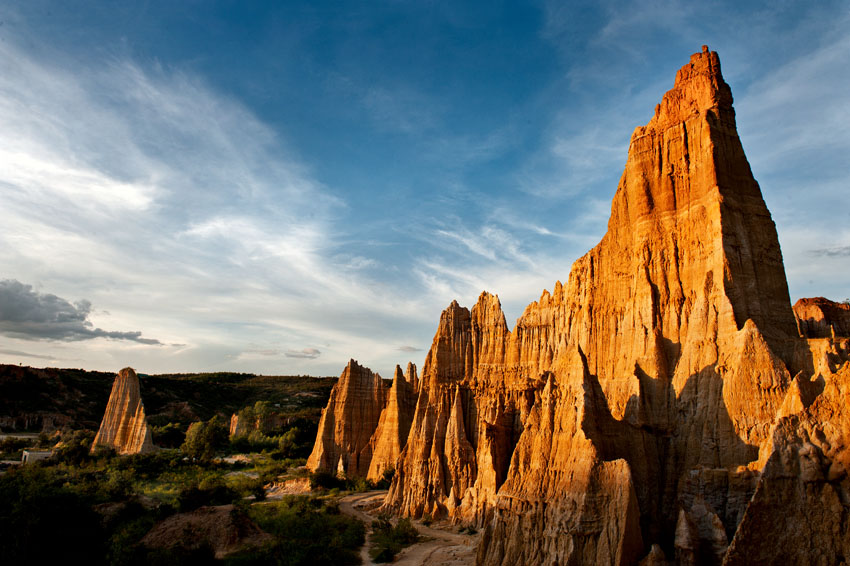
pixel 28 314
pixel 311 353
pixel 841 251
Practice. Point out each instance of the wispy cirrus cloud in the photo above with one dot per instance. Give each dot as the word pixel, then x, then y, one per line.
pixel 838 251
pixel 177 210
pixel 309 353
pixel 22 354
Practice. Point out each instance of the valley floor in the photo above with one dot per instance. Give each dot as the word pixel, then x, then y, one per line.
pixel 440 544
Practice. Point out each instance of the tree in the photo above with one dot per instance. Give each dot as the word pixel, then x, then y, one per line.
pixel 204 439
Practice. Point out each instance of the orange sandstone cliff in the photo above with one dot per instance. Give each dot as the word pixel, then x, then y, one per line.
pixel 365 426
pixel 822 318
pixel 124 426
pixel 349 421
pixel 394 423
pixel 663 403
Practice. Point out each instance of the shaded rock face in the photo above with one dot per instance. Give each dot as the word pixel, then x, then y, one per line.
pixel 124 426
pixel 800 512
pixel 629 415
pixel 821 318
pixel 348 423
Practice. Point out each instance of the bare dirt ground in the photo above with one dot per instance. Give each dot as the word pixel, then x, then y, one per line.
pixel 440 544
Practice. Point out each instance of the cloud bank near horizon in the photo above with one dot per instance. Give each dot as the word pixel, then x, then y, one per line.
pixel 26 313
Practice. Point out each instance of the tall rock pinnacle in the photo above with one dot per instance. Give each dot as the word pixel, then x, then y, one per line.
pixel 394 424
pixel 682 318
pixel 657 401
pixel 349 421
pixel 124 426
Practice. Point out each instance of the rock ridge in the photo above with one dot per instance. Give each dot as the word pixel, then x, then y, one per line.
pixel 819 317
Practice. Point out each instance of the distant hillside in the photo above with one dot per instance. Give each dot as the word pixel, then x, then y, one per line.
pixel 45 398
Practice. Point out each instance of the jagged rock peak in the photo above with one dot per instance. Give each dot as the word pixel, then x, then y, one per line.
pixel 349 421
pixel 124 426
pixel 411 376
pixel 488 311
pixel 699 86
pixel 394 424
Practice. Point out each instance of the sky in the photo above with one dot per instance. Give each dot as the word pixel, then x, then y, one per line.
pixel 277 187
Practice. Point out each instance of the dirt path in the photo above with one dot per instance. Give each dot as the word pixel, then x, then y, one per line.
pixel 346 505
pixel 439 545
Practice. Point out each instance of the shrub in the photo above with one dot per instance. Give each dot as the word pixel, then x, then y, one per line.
pixel 386 479
pixel 358 484
pixel 13 445
pixel 211 491
pixel 307 533
pixel 34 504
pixel 387 541
pixel 323 479
pixel 74 447
pixel 170 435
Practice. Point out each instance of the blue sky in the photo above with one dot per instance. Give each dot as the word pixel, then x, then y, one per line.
pixel 277 187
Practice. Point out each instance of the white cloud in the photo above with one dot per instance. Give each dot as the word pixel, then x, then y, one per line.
pixel 180 213
pixel 307 353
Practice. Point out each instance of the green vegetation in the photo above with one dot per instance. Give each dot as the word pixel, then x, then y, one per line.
pixel 205 439
pixel 388 540
pixel 307 531
pixel 34 503
pixel 324 479
pixel 13 448
pixel 97 506
pixel 170 435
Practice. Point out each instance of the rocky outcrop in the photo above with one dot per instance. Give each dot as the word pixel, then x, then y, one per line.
pixel 635 414
pixel 238 426
pixel 821 318
pixel 124 426
pixel 394 423
pixel 259 417
pixel 800 512
pixel 349 421
pixel 661 365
